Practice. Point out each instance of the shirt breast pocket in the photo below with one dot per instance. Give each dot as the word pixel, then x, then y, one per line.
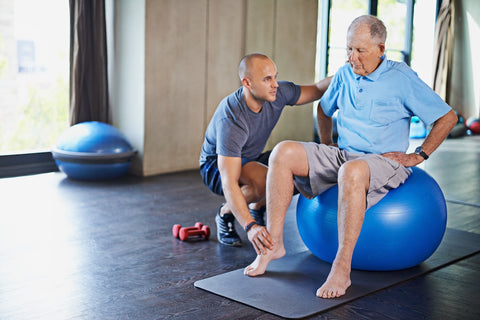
pixel 386 111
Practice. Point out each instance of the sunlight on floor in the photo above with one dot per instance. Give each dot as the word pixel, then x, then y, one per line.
pixel 37 238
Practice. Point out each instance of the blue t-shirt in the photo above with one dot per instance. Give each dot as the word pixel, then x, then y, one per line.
pixel 374 111
pixel 236 131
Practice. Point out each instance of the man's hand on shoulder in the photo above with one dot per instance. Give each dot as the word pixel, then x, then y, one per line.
pixel 313 92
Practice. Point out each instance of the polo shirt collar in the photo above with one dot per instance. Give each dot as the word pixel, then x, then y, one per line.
pixel 376 74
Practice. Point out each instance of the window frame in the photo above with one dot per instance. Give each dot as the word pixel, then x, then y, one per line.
pixel 372 10
pixel 14 165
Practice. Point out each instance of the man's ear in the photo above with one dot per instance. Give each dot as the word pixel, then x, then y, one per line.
pixel 381 48
pixel 246 82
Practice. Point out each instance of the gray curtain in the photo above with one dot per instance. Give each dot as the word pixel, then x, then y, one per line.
pixel 88 62
pixel 443 52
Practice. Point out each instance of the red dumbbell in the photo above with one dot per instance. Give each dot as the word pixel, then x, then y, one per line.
pixel 183 233
pixel 176 228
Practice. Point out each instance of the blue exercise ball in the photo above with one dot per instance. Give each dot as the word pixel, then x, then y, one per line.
pixel 401 231
pixel 93 151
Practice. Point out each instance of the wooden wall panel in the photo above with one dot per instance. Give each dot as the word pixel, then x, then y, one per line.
pixel 260 27
pixel 294 53
pixel 225 48
pixel 175 71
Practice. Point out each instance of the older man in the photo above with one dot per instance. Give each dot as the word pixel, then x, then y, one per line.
pixel 375 99
pixel 231 162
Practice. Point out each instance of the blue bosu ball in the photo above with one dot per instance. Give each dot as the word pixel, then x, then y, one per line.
pixel 93 151
pixel 401 231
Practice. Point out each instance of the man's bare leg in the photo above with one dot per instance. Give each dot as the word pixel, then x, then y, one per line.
pixel 288 158
pixel 353 183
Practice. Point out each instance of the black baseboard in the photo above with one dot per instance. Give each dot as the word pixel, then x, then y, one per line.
pixel 26 164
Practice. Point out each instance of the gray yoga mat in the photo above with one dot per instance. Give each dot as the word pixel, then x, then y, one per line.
pixel 288 287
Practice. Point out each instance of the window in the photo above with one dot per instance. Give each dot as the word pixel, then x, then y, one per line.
pixel 396 15
pixel 342 13
pixel 34 71
pixel 410 31
pixel 423 42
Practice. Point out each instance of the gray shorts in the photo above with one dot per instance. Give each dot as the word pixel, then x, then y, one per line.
pixel 325 161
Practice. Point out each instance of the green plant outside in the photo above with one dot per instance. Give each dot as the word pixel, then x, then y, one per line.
pixel 42 118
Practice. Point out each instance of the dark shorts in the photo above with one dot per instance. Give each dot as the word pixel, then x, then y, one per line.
pixel 211 175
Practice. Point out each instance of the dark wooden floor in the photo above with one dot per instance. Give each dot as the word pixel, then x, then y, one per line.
pixel 83 250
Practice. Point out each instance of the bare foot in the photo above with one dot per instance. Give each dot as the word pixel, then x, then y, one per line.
pixel 337 282
pixel 259 265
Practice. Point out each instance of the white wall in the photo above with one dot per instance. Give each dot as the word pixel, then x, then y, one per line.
pixel 465 89
pixel 127 71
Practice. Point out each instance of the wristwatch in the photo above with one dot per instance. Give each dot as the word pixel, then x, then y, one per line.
pixel 420 152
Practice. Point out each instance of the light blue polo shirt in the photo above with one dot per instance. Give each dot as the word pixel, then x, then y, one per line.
pixel 374 111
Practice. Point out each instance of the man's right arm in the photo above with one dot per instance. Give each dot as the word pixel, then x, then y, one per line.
pixel 230 169
pixel 325 126
pixel 313 92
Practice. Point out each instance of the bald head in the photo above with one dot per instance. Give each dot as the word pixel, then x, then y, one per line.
pixel 378 32
pixel 247 62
